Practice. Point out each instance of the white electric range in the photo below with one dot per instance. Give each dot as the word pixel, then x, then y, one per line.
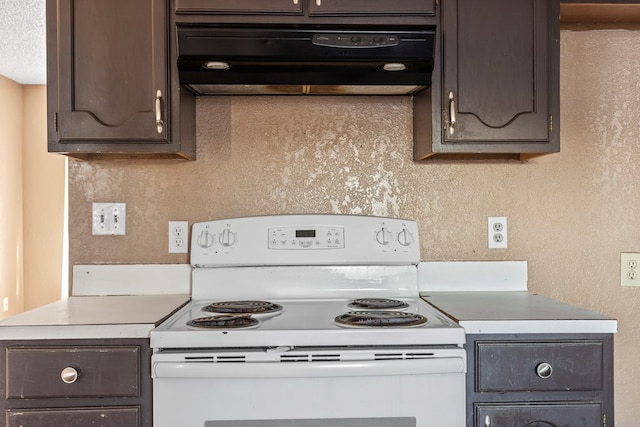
pixel 307 320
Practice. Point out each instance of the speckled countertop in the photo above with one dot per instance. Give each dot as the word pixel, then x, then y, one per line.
pixel 93 317
pixel 513 312
pixel 108 301
pixel 492 298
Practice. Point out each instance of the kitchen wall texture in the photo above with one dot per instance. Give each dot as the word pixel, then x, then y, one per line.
pixel 570 214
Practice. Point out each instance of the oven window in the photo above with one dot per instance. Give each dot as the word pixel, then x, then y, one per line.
pixel 319 422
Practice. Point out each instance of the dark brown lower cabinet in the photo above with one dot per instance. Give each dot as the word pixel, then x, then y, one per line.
pixel 100 383
pixel 539 380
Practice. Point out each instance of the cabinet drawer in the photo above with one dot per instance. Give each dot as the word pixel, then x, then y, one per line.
pixel 97 417
pixel 36 372
pixel 567 414
pixel 539 366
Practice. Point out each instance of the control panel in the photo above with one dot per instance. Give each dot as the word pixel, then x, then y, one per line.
pixel 306 237
pixel 305 240
pixel 353 40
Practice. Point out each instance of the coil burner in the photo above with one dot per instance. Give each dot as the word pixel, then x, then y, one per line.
pixel 380 319
pixel 224 321
pixel 243 307
pixel 377 304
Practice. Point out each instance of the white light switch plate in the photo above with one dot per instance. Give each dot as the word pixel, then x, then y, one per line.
pixel 109 219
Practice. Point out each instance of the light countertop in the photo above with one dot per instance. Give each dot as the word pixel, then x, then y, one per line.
pixel 80 317
pixel 511 312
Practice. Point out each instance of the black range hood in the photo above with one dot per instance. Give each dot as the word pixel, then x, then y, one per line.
pixel 216 60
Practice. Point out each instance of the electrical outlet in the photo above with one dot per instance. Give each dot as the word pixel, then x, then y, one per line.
pixel 629 269
pixel 178 237
pixel 497 232
pixel 5 304
pixel 109 219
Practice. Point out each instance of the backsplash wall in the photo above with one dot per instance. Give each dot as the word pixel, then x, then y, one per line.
pixel 569 214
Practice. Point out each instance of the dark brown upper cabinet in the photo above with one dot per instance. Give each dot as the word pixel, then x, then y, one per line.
pixel 110 92
pixel 314 7
pixel 498 88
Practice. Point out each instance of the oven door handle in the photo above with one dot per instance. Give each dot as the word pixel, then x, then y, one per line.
pixel 309 369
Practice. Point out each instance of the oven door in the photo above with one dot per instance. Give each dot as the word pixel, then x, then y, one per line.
pixel 424 392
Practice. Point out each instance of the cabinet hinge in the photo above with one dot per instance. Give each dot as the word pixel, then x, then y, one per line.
pixel 550 124
pixel 55 121
pixel 437 3
pixel 604 420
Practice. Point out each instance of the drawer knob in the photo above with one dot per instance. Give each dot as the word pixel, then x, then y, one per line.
pixel 69 375
pixel 544 370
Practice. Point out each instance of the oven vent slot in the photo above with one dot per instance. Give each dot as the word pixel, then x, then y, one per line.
pixel 305 357
pixel 403 356
pixel 215 359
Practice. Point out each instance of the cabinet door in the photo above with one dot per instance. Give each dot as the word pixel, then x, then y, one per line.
pixel 109 71
pixel 539 415
pixel 372 7
pixel 497 71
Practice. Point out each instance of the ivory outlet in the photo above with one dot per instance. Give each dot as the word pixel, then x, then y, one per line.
pixel 497 232
pixel 629 269
pixel 178 237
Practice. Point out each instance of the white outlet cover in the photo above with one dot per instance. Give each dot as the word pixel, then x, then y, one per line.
pixel 497 232
pixel 109 219
pixel 629 269
pixel 178 237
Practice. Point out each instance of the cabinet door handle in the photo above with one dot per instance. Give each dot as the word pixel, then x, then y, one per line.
pixel 159 123
pixel 295 1
pixel 544 370
pixel 318 3
pixel 69 375
pixel 452 114
pixel 487 421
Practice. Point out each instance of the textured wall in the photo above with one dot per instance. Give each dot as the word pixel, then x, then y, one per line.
pixel 570 214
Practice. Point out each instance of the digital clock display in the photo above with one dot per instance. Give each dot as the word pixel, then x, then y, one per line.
pixel 306 233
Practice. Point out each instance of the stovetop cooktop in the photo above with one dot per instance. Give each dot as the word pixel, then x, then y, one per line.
pixel 307 322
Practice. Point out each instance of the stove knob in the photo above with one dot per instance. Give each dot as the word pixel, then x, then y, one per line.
pixel 205 239
pixel 405 238
pixel 227 238
pixel 383 236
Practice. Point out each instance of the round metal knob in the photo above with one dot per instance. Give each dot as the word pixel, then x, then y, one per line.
pixel 69 375
pixel 544 370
